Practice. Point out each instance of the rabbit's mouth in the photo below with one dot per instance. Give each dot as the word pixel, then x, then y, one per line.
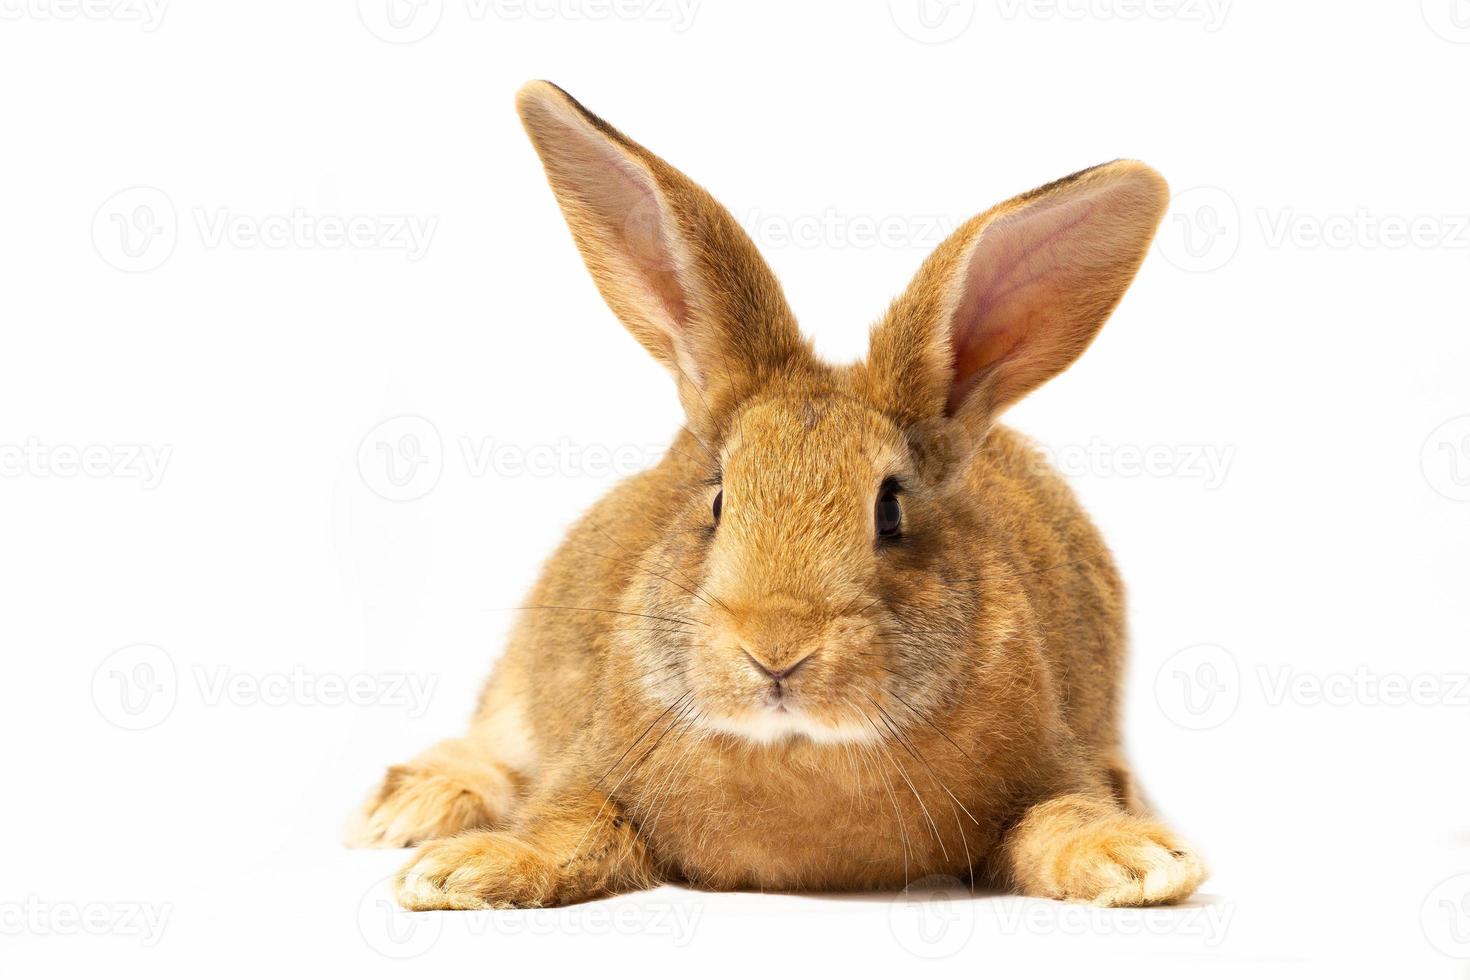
pixel 780 717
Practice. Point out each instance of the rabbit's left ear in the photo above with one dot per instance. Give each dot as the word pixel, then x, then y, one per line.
pixel 1014 296
pixel 672 263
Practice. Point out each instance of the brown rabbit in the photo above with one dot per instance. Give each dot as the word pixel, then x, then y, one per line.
pixel 849 632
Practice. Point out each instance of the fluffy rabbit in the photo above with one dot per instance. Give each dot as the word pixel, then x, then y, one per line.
pixel 850 632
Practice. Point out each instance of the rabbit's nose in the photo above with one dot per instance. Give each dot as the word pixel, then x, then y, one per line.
pixel 768 665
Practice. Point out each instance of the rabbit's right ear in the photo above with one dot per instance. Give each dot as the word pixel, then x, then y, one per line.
pixel 672 263
pixel 1015 295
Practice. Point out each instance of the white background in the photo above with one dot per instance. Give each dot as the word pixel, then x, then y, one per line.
pixel 202 390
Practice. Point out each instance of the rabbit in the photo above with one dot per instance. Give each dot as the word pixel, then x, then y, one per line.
pixel 850 632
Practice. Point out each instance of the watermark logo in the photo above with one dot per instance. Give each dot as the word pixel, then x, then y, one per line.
pixel 1450 19
pixel 300 687
pixel 34 916
pixel 1363 229
pixel 1205 464
pixel 933 917
pixel 1198 687
pixel 1208 923
pixel 136 687
pixel 676 922
pixel 298 228
pixel 147 14
pixel 678 14
pixel 408 21
pixel 1361 687
pixel 396 933
pixel 832 229
pixel 1209 14
pixel 400 21
pixel 402 458
pixel 1445 459
pixel 1445 916
pixel 932 21
pixel 136 229
pixel 392 931
pixel 1202 686
pixel 1202 230
pixel 124 461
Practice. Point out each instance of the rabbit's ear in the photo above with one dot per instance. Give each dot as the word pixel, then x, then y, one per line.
pixel 1015 295
pixel 672 263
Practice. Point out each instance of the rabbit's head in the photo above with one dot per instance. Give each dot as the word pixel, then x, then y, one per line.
pixel 817 562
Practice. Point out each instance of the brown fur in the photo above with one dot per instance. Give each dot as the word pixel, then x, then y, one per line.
pixel 947 700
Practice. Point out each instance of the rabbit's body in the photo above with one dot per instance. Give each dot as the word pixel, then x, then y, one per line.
pixel 740 672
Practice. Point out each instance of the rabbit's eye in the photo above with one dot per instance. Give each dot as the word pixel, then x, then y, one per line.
pixel 718 505
pixel 888 512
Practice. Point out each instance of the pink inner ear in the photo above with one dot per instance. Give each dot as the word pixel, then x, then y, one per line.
pixel 1023 266
pixel 633 219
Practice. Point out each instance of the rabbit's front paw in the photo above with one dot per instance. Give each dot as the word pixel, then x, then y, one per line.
pixel 1084 850
pixel 453 787
pixel 476 871
pixel 1128 868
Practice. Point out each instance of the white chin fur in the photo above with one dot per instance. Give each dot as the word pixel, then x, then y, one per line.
pixel 766 726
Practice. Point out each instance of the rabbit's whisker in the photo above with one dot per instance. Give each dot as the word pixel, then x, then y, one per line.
pixel 610 612
pixel 687 700
pixel 669 567
pixel 646 570
pixel 870 756
pixel 933 827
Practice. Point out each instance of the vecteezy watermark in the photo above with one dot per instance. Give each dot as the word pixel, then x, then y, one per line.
pixel 1445 916
pixel 932 21
pixel 400 21
pixel 398 934
pixel 1202 230
pixel 138 687
pixel 1209 14
pixel 1208 923
pixel 147 14
pixel 1445 459
pixel 832 229
pixel 938 917
pixel 1450 19
pixel 137 230
pixel 299 228
pixel 392 931
pixel 933 917
pixel 34 916
pixel 408 21
pixel 120 461
pixel 1361 687
pixel 675 921
pixel 1202 686
pixel 1363 229
pixel 1206 464
pixel 1198 687
pixel 402 458
pixel 299 687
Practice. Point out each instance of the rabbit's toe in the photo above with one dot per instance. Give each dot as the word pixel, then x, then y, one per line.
pixel 1127 866
pixel 1086 850
pixel 474 871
